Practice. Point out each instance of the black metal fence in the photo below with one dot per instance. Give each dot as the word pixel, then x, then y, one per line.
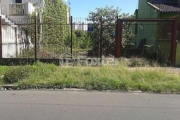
pixel 150 38
pixel 147 39
pixel 99 39
pixel 48 38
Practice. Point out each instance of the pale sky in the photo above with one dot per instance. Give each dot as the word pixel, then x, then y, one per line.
pixel 81 8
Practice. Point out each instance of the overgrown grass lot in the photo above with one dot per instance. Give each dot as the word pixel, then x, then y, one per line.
pixel 119 77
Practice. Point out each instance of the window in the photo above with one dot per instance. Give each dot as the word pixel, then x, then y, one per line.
pixel 18 1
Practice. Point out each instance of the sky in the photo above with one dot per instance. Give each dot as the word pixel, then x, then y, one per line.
pixel 81 8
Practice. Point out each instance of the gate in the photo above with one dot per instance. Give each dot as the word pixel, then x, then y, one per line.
pixel 32 38
pixel 151 38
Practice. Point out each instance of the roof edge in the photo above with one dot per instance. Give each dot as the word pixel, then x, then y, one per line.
pixel 153 6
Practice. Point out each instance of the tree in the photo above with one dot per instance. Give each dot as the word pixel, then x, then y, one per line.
pixel 109 16
pixel 81 40
pixel 55 22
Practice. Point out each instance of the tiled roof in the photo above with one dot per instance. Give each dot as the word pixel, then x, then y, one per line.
pixel 165 7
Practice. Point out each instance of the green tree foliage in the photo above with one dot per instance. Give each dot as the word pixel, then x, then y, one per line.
pixel 56 25
pixel 52 28
pixel 127 35
pixel 109 16
pixel 81 39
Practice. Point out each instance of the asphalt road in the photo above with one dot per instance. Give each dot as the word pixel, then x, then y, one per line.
pixel 78 105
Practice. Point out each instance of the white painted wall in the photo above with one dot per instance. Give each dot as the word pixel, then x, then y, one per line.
pixel 29 8
pixel 8 41
pixel 19 19
pixel 12 41
pixel 12 50
pixel 8 50
pixel 5 5
pixel 8 34
pixel 40 3
pixel 80 26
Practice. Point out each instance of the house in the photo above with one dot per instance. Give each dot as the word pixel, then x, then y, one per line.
pixel 157 9
pixel 15 17
pixel 13 13
pixel 13 9
pixel 156 34
pixel 80 26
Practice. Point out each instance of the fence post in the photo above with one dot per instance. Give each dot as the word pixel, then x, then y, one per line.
pixel 71 36
pixel 115 35
pixel 173 42
pixel 101 32
pixel 118 39
pixel 35 35
pixel 0 38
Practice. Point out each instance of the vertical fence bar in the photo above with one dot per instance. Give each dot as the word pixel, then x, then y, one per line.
pixel 0 38
pixel 71 35
pixel 173 42
pixel 115 35
pixel 101 32
pixel 16 42
pixel 118 39
pixel 35 36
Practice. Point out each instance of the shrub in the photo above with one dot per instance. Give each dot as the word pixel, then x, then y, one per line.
pixel 139 62
pixel 14 74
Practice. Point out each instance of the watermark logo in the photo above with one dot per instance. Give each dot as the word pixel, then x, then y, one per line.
pixel 68 60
